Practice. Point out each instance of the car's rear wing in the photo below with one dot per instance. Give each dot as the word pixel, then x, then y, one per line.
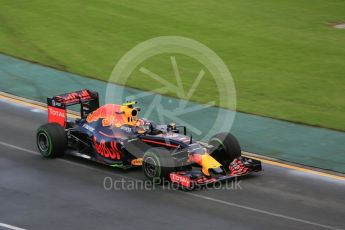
pixel 57 105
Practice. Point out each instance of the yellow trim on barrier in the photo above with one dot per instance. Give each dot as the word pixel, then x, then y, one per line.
pixel 31 105
pixel 283 165
pixel 270 162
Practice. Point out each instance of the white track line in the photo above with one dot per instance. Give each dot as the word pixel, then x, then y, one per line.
pixel 65 161
pixel 186 193
pixel 18 148
pixel 263 211
pixel 10 226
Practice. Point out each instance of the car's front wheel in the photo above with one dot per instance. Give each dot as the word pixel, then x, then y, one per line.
pixel 158 164
pixel 225 148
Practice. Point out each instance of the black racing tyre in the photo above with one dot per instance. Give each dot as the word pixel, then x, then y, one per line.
pixel 225 148
pixel 51 140
pixel 158 164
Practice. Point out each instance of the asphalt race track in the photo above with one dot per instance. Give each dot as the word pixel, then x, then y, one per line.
pixel 69 193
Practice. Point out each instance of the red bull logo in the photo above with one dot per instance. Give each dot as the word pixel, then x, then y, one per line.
pixel 111 152
pixel 74 97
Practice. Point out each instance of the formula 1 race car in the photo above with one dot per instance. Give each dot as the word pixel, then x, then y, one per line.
pixel 114 135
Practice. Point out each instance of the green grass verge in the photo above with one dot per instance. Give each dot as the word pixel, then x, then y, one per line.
pixel 287 62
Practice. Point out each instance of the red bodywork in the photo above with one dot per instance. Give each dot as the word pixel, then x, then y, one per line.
pixel 57 115
pixel 74 97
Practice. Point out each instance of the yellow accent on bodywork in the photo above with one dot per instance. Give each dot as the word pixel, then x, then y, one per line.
pixel 127 112
pixel 137 162
pixel 129 103
pixel 208 162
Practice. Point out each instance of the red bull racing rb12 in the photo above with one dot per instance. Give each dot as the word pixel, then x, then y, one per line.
pixel 114 135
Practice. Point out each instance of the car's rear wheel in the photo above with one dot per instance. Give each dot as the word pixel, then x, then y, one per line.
pixel 225 148
pixel 158 164
pixel 51 140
